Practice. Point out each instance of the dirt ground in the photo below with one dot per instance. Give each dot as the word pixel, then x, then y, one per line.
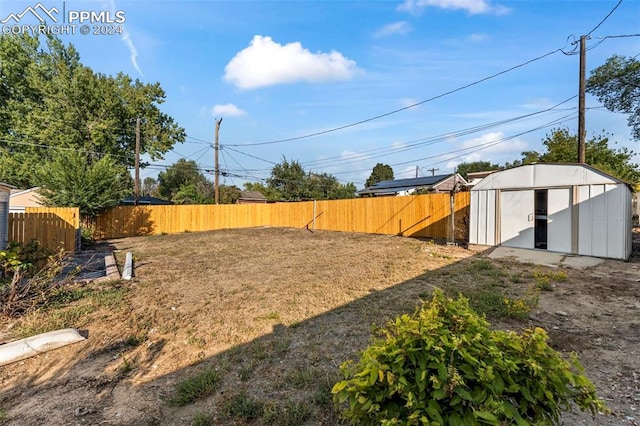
pixel 275 312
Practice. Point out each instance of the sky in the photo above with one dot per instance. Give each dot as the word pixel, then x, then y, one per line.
pixel 339 86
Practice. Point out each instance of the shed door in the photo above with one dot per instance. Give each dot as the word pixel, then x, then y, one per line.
pixel 559 220
pixel 516 219
pixel 4 222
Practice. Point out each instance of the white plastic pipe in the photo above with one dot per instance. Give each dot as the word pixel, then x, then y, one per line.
pixel 127 272
pixel 34 345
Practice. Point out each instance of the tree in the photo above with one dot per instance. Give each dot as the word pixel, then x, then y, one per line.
pixel 291 182
pixel 149 186
pixel 617 85
pixel 476 166
pixel 379 173
pixel 183 183
pixel 562 147
pixel 71 179
pixel 229 194
pixel 49 100
pixel 288 178
pixel 270 193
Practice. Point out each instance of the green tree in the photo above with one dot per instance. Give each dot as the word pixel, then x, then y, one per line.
pixel 270 193
pixel 229 194
pixel 71 179
pixel 149 187
pixel 617 85
pixel 476 166
pixel 183 183
pixel 380 172
pixel 288 179
pixel 562 147
pixel 49 99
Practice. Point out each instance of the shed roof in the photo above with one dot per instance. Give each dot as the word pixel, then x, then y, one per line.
pixel 546 175
pixel 252 195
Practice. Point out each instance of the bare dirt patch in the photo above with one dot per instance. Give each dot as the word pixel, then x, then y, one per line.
pixel 275 312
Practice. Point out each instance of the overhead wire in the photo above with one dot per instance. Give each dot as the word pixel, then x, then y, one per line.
pixel 605 18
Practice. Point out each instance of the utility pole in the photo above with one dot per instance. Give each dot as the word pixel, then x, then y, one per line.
pixel 582 132
pixel 416 171
pixel 137 164
pixel 216 182
pixel 433 171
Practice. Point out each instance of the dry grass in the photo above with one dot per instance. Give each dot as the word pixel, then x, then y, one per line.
pixel 271 313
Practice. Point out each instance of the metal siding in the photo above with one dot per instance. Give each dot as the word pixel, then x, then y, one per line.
pixel 491 218
pixel 516 210
pixel 4 219
pixel 597 205
pixel 559 220
pixel 475 218
pixel 614 223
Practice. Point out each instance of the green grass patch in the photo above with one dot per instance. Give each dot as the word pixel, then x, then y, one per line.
pixel 202 419
pixel 199 386
pixel 243 406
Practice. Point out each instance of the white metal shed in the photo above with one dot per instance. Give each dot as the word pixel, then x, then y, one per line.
pixel 5 192
pixel 566 208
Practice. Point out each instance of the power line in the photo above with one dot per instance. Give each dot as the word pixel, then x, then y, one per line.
pixel 466 86
pixel 605 18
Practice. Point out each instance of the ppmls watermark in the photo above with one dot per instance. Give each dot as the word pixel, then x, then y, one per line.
pixel 38 19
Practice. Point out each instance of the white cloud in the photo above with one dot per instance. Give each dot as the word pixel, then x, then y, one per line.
pixel 228 110
pixel 409 102
pixel 539 103
pixel 478 37
pixel 474 7
pixel 400 27
pixel 267 63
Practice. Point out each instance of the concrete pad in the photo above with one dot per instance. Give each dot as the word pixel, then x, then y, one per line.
pixel 538 257
pixel 546 258
pixel 581 262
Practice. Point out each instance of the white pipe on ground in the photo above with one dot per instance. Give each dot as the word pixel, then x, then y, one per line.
pixel 127 272
pixel 34 345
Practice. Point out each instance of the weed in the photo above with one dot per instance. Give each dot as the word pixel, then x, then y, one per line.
pixel 520 307
pixel 127 365
pixel 488 302
pixel 245 371
pixel 202 419
pixel 304 376
pixel 274 315
pixel 201 385
pixel 294 413
pixel 243 406
pixel 3 415
pixel 109 298
pixel 480 265
pixel 516 278
pixel 42 322
pixel 136 340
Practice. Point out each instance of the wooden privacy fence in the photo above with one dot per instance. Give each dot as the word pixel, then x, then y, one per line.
pixel 415 216
pixel 53 227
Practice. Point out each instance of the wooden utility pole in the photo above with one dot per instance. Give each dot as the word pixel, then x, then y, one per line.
pixel 136 191
pixel 582 132
pixel 416 171
pixel 216 182
pixel 433 171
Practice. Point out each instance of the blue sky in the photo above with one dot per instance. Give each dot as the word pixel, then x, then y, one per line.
pixel 278 70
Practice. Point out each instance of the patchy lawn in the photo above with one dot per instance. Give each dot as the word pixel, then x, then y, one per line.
pixel 249 326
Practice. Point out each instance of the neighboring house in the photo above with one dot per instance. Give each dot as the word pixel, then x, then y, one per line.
pixel 23 198
pixel 251 197
pixel 146 200
pixel 474 178
pixel 566 208
pixel 5 192
pixel 428 184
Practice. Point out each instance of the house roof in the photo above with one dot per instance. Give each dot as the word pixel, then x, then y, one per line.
pixel 16 192
pixel 546 175
pixel 146 201
pixel 252 195
pixel 6 186
pixel 398 185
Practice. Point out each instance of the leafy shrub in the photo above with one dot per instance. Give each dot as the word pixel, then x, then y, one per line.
pixel 444 366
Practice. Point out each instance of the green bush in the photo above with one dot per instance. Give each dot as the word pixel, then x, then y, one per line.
pixel 444 366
